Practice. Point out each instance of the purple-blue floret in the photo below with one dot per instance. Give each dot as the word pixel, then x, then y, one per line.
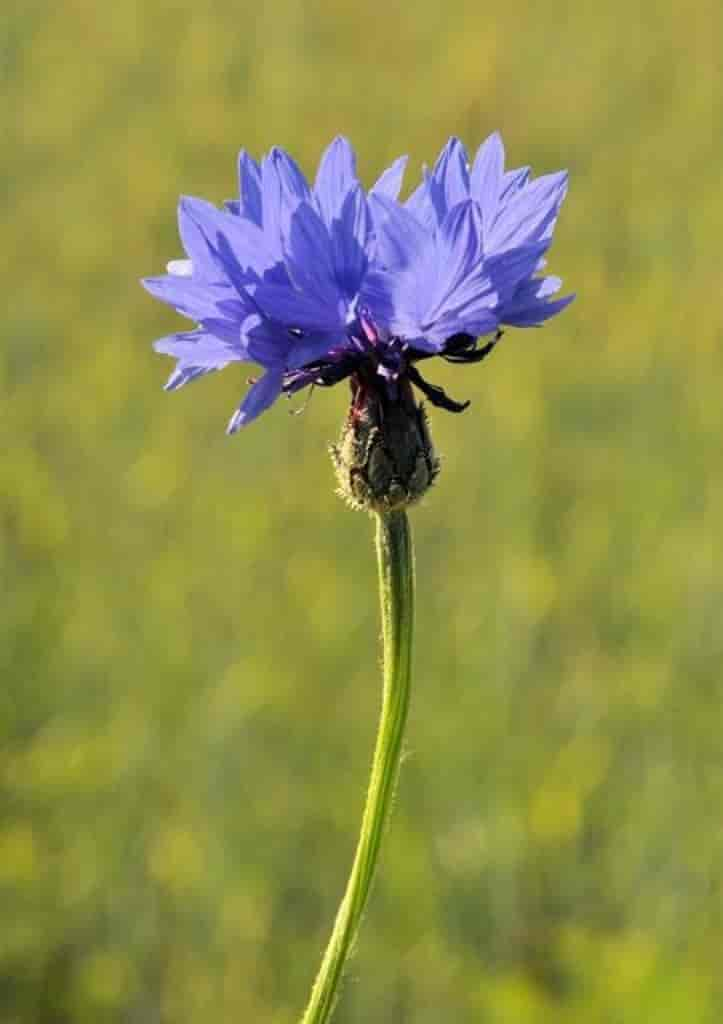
pixel 319 283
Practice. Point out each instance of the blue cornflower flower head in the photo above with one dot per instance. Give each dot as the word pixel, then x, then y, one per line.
pixel 321 283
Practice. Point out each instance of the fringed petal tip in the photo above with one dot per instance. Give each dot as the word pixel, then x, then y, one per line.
pixel 235 423
pixel 536 313
pixel 260 396
pixel 183 375
pixel 389 182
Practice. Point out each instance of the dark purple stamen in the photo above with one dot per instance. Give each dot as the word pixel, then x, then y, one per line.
pixel 462 348
pixel 388 362
pixel 436 395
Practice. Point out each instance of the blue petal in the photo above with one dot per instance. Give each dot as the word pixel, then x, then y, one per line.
pixel 420 203
pixel 313 346
pixel 449 181
pixel 227 331
pixel 400 236
pixel 536 313
pixel 507 270
pixel 529 306
pixel 459 261
pixel 475 321
pixel 530 213
pixel 191 215
pixel 265 342
pixel 249 188
pixel 235 247
pixel 389 182
pixel 293 183
pixel 486 179
pixel 433 290
pixel 235 309
pixel 197 348
pixel 272 344
pixel 308 257
pixel 261 395
pixel 187 296
pixel 349 239
pixel 295 309
pixel 392 299
pixel 335 177
pixel 182 375
pixel 395 283
pixel 538 288
pixel 473 310
pixel 283 187
pixel 513 181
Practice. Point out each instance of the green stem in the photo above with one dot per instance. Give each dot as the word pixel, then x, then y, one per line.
pixel 395 560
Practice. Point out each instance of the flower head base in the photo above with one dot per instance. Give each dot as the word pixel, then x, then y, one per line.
pixel 384 460
pixel 319 283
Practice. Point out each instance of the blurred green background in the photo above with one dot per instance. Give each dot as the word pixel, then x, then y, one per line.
pixel 189 641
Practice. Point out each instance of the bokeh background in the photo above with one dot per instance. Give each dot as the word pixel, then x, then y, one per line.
pixel 189 630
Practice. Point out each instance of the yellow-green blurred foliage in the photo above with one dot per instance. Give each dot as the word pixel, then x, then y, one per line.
pixel 189 625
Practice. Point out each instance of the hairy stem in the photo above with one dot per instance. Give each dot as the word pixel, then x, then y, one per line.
pixel 395 560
